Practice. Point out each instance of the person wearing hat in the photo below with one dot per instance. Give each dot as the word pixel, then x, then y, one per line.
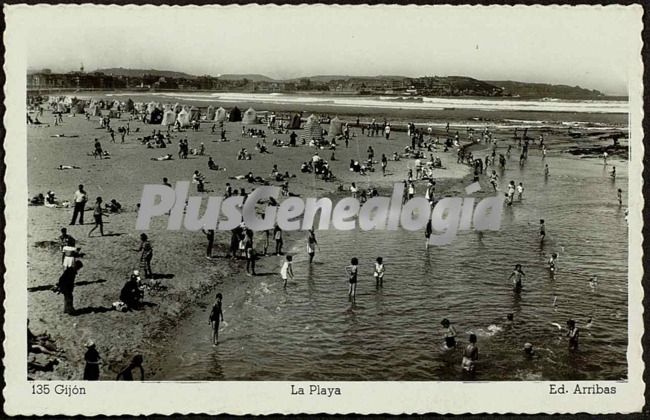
pixel 65 286
pixel 91 370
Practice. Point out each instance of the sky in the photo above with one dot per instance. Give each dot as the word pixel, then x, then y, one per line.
pixel 593 47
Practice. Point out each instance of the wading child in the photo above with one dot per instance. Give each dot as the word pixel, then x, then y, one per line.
pixel 470 355
pixel 379 272
pixel 450 334
pixel 216 316
pixel 351 271
pixel 517 275
pixel 287 270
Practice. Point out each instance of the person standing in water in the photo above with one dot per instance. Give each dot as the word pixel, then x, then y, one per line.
pixel 546 171
pixel 277 236
pixel 494 179
pixel 287 270
pixel 428 230
pixel 450 334
pixel 573 334
pixel 619 195
pixel 520 191
pixel 542 230
pixel 613 173
pixel 552 264
pixel 516 276
pixel 351 271
pixel 379 272
pixel 216 316
pixel 312 243
pixel 470 355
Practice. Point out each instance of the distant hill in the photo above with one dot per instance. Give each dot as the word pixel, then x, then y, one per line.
pixel 249 77
pixel 330 78
pixel 545 90
pixel 119 71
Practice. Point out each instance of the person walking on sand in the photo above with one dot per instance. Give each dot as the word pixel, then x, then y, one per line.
pixel 379 272
pixel 619 196
pixel 470 355
pixel 613 173
pixel 146 255
pixel 65 286
pixel 384 164
pixel 287 270
pixel 92 358
pixel 520 191
pixel 80 199
pixel 216 316
pixel 126 374
pixel 210 235
pixel 312 243
pixel 98 213
pixel 351 271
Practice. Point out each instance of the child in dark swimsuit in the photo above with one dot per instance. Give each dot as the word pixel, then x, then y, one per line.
pixel 351 270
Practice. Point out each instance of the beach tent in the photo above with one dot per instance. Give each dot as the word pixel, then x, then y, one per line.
pixel 235 115
pixel 249 117
pixel 155 116
pixel 129 106
pixel 209 113
pixel 177 108
pixel 68 100
pixel 169 117
pixel 294 123
pixel 336 127
pixel 195 114
pixel 220 115
pixel 186 108
pixel 183 118
pixel 312 129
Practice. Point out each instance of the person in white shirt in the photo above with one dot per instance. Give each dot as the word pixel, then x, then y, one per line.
pixel 80 199
pixel 387 131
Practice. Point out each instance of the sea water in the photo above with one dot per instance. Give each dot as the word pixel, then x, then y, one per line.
pixel 310 331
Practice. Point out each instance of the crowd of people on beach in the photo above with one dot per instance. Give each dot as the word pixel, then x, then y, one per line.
pixel 420 169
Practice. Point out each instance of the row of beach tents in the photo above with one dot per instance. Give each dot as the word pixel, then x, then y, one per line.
pixel 168 114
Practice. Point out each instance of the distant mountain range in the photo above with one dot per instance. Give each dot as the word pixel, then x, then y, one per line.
pixel 510 88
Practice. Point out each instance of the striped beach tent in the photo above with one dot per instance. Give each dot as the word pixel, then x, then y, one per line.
pixel 195 114
pixel 312 129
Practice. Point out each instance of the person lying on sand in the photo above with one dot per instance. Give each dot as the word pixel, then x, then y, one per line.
pixel 63 135
pixel 251 178
pixel 161 158
pixel 62 167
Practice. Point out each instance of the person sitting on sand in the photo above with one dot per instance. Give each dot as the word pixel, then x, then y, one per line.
pixel 161 158
pixel 131 294
pixel 63 167
pixel 198 179
pixel 114 206
pixel 37 200
pixel 51 200
pixel 213 166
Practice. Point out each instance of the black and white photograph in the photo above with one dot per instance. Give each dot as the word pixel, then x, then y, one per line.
pixel 316 200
